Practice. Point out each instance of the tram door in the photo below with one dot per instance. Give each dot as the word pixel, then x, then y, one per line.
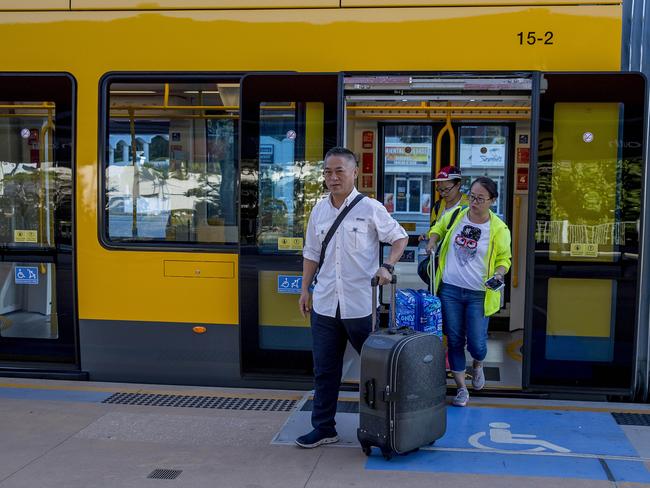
pixel 288 122
pixel 37 327
pixel 407 163
pixel 584 215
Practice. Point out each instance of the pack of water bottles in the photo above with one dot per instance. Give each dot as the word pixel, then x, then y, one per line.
pixel 418 310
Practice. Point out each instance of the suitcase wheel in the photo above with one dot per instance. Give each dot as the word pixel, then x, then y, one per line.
pixel 367 450
pixel 388 454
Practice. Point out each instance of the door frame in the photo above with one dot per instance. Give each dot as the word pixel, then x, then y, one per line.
pixel 63 352
pixel 530 252
pixel 255 361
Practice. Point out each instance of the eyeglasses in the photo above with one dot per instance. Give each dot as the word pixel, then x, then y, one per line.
pixel 477 199
pixel 444 191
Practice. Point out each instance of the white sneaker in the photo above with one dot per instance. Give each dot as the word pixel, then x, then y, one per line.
pixel 478 378
pixel 462 397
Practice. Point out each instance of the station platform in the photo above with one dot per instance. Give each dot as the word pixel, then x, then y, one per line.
pixel 72 434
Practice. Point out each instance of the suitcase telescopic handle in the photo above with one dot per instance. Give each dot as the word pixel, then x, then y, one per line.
pixel 432 273
pixel 374 283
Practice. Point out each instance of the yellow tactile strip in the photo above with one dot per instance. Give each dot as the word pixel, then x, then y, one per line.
pixel 157 391
pixel 265 394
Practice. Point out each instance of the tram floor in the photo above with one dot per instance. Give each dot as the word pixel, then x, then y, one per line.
pixel 28 324
pixel 72 434
pixel 502 363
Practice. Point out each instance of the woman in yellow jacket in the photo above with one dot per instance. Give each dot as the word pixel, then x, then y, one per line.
pixel 474 248
pixel 448 183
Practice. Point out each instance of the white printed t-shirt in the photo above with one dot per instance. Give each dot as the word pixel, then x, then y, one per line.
pixel 466 264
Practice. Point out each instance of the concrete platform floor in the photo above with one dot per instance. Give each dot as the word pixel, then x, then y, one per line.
pixel 60 434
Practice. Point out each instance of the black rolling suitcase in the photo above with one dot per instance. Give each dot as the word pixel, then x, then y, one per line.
pixel 402 388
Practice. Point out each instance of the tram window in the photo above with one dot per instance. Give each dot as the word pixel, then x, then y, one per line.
pixel 291 171
pixel 171 163
pixel 484 152
pixel 34 189
pixel 591 192
pixel 407 172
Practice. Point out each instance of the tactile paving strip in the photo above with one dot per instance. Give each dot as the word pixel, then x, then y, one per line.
pixel 198 401
pixel 641 419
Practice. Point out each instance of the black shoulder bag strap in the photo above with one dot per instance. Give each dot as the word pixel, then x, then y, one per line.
pixel 434 212
pixel 332 230
pixel 451 222
pixel 449 225
pixel 453 217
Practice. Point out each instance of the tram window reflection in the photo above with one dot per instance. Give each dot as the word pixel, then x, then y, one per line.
pixel 171 163
pixel 291 172
pixel 590 199
pixel 35 190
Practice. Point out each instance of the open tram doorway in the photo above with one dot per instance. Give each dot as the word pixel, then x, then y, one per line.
pixel 567 323
pixel 404 129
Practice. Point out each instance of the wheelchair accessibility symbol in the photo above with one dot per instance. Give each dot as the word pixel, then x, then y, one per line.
pixel 289 284
pixel 26 275
pixel 501 437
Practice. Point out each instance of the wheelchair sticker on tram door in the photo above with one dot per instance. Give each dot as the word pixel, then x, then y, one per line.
pixel 26 275
pixel 289 284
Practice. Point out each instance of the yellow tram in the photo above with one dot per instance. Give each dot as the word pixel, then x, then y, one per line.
pixel 159 161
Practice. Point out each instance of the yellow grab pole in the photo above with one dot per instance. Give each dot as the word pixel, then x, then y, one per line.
pixel 136 180
pixel 452 144
pixel 515 243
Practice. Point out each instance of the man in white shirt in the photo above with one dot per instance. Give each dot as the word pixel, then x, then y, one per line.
pixel 342 297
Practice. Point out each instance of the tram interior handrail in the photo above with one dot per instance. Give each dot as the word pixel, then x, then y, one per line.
pixel 515 242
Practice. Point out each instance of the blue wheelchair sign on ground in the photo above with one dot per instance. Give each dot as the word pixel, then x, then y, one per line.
pixel 523 442
pixel 289 284
pixel 26 275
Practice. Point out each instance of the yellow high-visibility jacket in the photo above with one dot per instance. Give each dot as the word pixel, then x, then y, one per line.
pixel 499 253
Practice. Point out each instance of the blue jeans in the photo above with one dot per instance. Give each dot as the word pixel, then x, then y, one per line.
pixel 463 318
pixel 329 339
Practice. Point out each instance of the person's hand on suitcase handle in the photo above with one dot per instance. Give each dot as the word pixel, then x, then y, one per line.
pixel 374 281
pixel 433 242
pixel 383 275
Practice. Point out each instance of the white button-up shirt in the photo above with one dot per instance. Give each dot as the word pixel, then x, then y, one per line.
pixel 351 257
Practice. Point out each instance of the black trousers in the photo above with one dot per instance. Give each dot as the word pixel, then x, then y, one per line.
pixel 329 340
